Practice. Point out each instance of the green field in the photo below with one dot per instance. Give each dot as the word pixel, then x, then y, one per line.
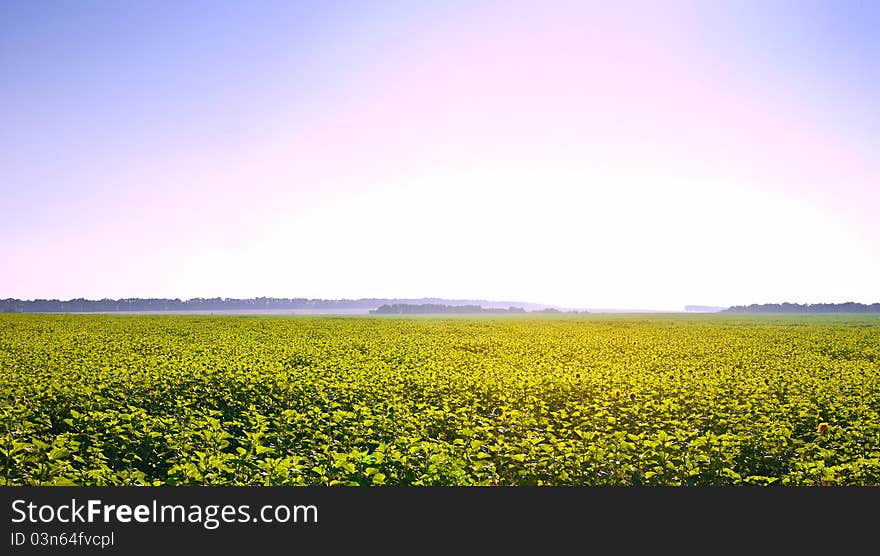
pixel 516 400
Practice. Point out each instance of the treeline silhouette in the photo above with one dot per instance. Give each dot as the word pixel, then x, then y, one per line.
pixel 849 307
pixel 137 304
pixel 433 308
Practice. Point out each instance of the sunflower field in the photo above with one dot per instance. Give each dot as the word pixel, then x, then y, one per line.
pixel 564 399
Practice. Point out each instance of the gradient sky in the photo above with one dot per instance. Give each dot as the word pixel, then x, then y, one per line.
pixel 609 154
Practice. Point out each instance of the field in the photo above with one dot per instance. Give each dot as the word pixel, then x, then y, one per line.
pixel 514 400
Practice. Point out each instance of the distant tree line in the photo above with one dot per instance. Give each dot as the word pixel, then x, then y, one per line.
pixel 159 304
pixel 848 307
pixel 434 308
pixel 81 305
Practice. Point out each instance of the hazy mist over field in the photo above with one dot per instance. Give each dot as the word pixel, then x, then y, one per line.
pixel 628 155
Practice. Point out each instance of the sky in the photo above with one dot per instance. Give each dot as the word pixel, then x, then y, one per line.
pixel 635 155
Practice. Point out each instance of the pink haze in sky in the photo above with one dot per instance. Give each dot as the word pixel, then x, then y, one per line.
pixel 633 155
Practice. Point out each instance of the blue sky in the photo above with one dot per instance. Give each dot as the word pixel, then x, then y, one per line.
pixel 554 152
